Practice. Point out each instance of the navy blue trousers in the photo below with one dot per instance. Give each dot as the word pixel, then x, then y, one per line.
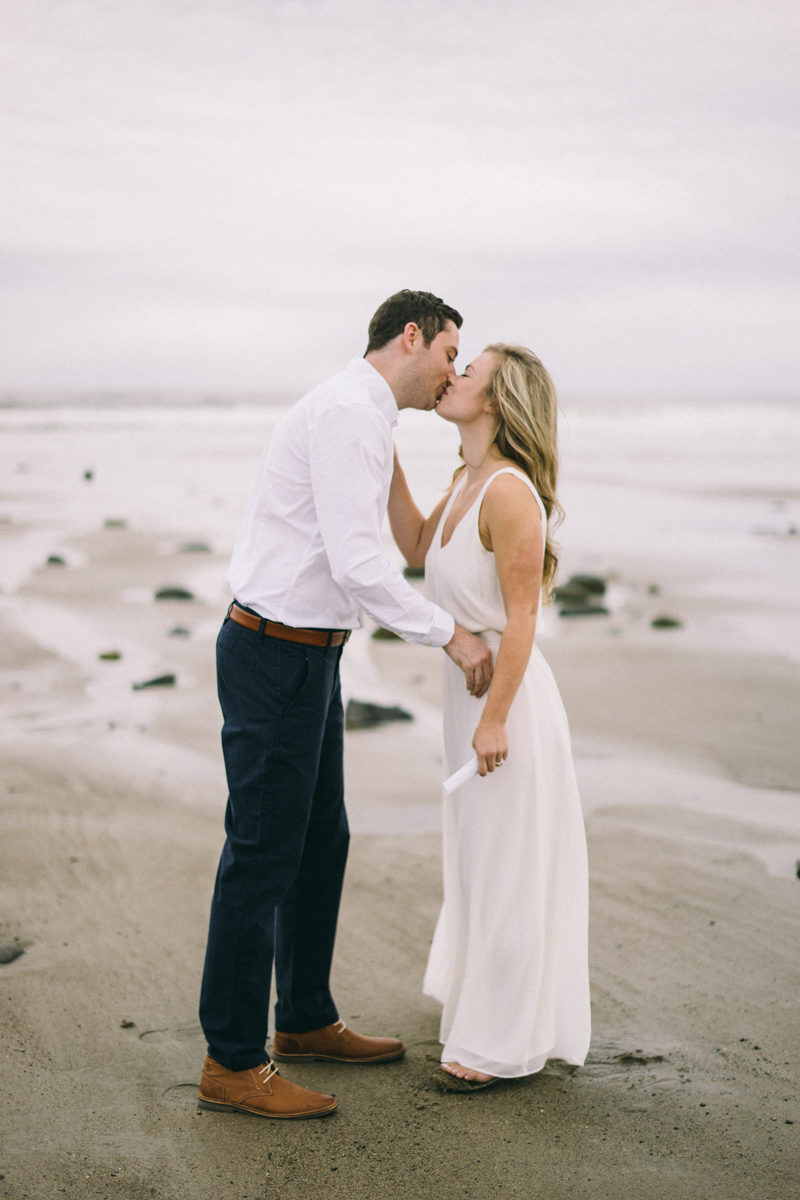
pixel 279 882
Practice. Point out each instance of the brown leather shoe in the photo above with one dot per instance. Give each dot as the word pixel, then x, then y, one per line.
pixel 260 1091
pixel 335 1043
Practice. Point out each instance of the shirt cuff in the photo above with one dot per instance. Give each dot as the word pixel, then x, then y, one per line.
pixel 440 632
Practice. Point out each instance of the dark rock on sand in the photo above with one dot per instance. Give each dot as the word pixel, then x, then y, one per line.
pixel 110 655
pixel 127 1024
pixel 414 572
pixel 194 548
pixel 174 593
pixel 115 523
pixel 179 631
pixel 385 635
pixel 55 560
pixel 577 592
pixel 8 953
pixel 361 715
pixel 159 681
pixel 570 593
pixel 584 610
pixel 578 588
pixel 592 584
pixel 666 622
pixel 88 475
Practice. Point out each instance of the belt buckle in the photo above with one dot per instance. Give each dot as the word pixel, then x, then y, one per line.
pixel 347 633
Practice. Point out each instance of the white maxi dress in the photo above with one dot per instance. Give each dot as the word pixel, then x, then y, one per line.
pixel 509 956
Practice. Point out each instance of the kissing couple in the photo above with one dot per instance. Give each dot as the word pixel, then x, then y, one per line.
pixel 509 956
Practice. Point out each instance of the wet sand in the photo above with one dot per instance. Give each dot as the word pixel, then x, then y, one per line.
pixel 112 826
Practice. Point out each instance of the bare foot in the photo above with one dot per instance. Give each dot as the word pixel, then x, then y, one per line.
pixel 454 1068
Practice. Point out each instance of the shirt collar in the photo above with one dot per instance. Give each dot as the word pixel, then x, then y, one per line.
pixel 379 391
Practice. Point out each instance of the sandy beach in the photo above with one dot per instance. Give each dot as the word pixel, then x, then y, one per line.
pixel 113 799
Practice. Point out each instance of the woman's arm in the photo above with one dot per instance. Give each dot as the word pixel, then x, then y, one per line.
pixel 510 520
pixel 410 529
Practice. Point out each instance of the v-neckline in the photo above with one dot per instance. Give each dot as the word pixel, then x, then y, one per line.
pixel 442 544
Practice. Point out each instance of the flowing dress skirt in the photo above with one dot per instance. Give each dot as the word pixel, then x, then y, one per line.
pixel 509 956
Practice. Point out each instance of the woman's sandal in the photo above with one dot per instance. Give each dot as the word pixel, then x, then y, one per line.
pixel 452 1083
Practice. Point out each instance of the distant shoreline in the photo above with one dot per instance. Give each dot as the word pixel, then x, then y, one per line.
pixel 145 399
pixel 110 398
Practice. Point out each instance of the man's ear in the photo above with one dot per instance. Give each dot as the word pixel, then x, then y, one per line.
pixel 412 337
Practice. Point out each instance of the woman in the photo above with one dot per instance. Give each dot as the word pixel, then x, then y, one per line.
pixel 509 956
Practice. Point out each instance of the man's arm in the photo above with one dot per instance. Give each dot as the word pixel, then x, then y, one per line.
pixel 348 449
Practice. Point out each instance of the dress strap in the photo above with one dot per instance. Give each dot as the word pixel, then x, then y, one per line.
pixel 520 475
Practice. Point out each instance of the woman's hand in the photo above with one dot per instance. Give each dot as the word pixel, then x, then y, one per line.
pixel 490 744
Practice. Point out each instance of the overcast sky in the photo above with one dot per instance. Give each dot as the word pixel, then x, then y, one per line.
pixel 218 193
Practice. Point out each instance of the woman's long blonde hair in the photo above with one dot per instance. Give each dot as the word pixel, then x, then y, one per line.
pixel 527 410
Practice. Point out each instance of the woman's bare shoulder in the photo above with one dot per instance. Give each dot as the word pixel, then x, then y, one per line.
pixel 508 511
pixel 506 488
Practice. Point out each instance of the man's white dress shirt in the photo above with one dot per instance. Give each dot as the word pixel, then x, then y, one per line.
pixel 309 551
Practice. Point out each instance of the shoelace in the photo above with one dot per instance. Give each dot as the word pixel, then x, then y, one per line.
pixel 340 1027
pixel 267 1070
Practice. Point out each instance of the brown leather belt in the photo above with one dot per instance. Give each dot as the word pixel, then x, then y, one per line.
pixel 288 633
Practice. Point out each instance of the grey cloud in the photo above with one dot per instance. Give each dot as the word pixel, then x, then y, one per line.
pixel 226 190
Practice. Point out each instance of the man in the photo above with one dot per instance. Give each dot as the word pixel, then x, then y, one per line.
pixel 308 557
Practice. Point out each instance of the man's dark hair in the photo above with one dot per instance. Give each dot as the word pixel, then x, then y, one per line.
pixel 423 308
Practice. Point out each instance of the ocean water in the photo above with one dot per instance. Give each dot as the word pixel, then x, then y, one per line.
pixel 702 500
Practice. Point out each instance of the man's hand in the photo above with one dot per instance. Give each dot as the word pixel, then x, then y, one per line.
pixel 474 657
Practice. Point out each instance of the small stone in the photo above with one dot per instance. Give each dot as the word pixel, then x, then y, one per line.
pixel 55 560
pixel 127 1024
pixel 179 631
pixel 159 681
pixel 88 474
pixel 362 715
pixel 666 622
pixel 585 610
pixel 110 656
pixel 9 953
pixel 414 572
pixel 592 584
pixel 570 593
pixel 115 523
pixel 797 868
pixel 194 548
pixel 385 635
pixel 174 593
pixel 654 590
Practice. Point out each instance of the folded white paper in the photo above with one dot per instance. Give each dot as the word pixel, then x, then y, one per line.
pixel 462 775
